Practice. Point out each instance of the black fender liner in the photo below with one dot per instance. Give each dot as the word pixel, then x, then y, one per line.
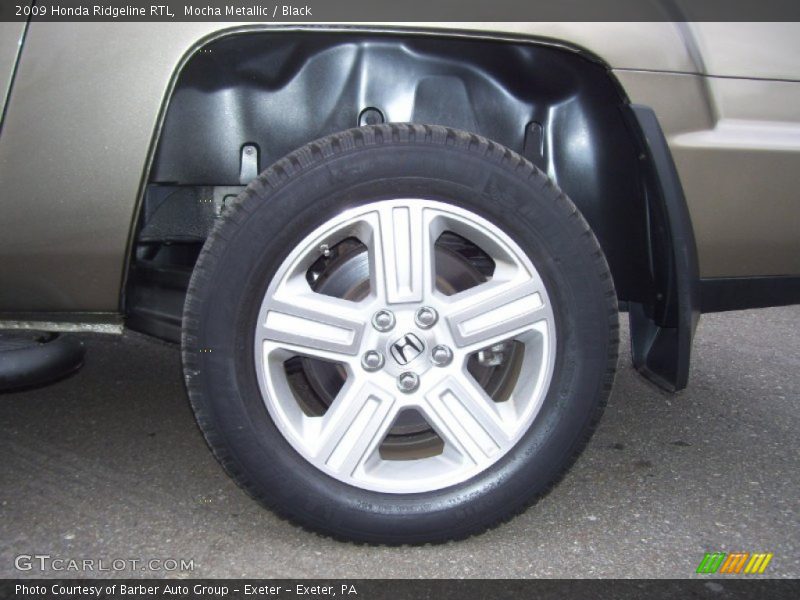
pixel 631 195
pixel 662 332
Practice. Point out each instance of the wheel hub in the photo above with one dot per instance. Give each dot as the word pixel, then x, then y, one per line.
pixel 406 349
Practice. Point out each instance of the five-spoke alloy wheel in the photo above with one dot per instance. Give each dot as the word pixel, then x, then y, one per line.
pixel 399 334
pixel 405 347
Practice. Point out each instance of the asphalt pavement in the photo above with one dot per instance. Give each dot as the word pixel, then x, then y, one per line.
pixel 109 465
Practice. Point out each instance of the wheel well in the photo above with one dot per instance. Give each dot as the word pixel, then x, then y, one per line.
pixel 243 101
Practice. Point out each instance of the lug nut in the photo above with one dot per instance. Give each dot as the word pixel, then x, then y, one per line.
pixel 408 382
pixel 372 360
pixel 426 317
pixel 441 355
pixel 383 320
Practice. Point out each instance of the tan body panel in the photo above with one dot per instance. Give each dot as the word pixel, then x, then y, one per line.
pixel 748 50
pixel 740 172
pixel 87 101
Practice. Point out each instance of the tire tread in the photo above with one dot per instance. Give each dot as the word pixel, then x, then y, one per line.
pixel 342 143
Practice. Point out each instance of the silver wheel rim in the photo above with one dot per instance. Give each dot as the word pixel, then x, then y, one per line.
pixel 427 346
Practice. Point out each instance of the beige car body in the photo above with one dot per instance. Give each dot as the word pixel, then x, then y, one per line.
pixel 88 100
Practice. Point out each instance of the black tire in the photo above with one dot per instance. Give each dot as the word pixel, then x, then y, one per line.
pixel 315 183
pixel 30 359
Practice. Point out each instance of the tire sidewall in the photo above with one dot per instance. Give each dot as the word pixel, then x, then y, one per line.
pixel 246 251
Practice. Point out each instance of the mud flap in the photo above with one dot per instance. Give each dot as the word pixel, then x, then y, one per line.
pixel 662 330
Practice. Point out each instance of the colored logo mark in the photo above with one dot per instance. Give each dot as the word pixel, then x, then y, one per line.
pixel 738 563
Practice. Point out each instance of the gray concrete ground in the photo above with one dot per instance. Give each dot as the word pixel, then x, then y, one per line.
pixel 109 464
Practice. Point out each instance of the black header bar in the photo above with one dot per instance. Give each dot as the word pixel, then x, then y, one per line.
pixel 410 11
pixel 734 587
